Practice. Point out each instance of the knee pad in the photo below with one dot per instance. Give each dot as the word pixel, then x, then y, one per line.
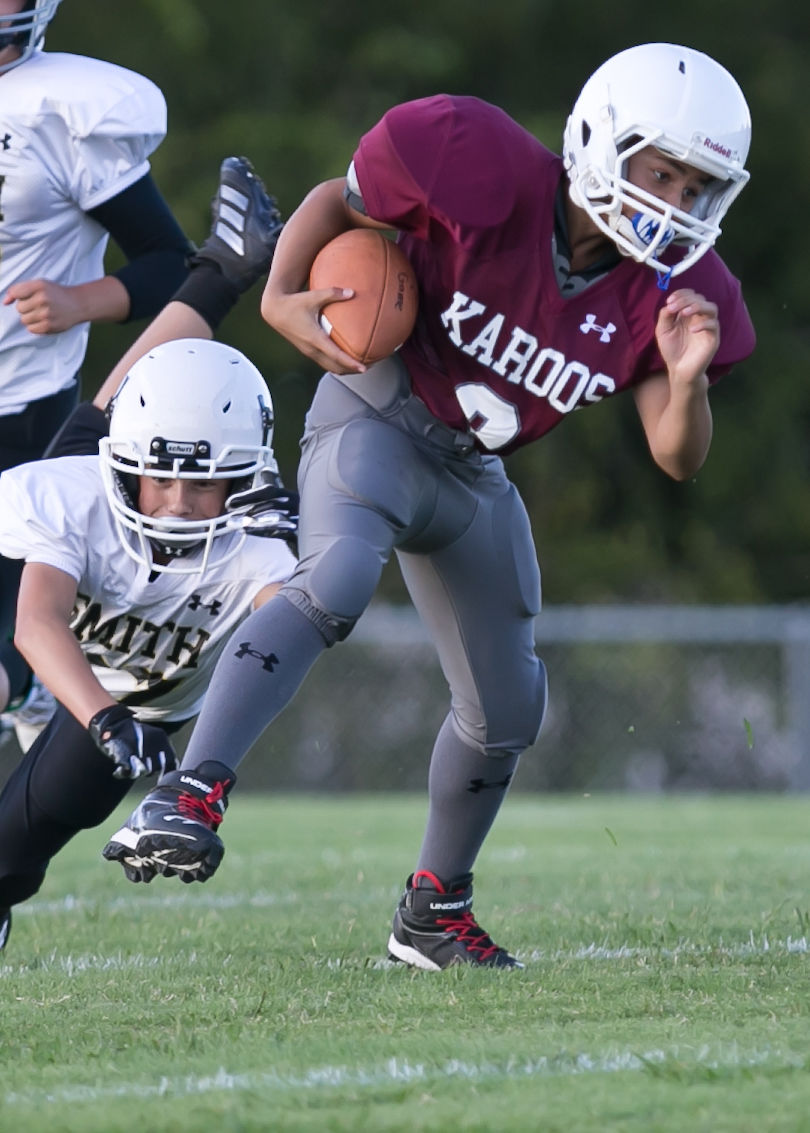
pixel 518 729
pixel 334 588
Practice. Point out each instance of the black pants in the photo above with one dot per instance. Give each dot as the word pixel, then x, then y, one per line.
pixel 62 785
pixel 23 438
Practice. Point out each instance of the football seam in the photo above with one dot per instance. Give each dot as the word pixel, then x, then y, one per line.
pixel 382 291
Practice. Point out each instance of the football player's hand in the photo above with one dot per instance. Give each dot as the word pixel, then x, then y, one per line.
pixel 688 334
pixel 296 316
pixel 135 748
pixel 270 510
pixel 45 307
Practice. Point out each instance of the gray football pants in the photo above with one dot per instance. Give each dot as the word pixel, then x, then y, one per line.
pixel 380 473
pixel 389 475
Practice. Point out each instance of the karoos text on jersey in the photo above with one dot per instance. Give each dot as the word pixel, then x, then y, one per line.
pixel 518 357
pixel 134 638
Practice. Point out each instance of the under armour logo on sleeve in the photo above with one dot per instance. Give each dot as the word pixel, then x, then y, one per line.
pixel 268 660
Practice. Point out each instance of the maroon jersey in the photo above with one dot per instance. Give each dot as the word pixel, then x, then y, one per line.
pixel 497 348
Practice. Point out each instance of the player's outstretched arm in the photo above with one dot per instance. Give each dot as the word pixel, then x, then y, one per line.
pixel 44 637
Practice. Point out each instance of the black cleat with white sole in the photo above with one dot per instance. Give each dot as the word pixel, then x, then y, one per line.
pixel 434 927
pixel 245 226
pixel 173 830
pixel 5 927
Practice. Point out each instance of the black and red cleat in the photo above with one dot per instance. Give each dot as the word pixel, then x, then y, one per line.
pixel 174 829
pixel 434 927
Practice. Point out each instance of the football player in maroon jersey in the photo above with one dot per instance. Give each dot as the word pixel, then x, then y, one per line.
pixel 547 283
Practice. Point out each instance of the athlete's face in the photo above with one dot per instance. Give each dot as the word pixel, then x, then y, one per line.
pixel 9 8
pixel 671 181
pixel 182 499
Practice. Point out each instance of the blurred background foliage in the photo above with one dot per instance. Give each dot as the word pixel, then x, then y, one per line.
pixel 293 86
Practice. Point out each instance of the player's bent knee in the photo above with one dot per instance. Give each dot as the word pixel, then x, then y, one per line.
pixel 540 702
pixel 18 887
pixel 519 728
pixel 334 590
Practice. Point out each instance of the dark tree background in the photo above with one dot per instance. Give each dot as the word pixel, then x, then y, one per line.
pixel 293 86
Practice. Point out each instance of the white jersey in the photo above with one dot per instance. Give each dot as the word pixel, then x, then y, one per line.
pixel 151 638
pixel 74 132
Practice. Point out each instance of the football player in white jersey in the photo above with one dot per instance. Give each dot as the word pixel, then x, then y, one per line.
pixel 141 560
pixel 76 135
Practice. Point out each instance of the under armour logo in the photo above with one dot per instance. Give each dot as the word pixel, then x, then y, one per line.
pixel 195 602
pixel 604 331
pixel 6 141
pixel 477 785
pixel 268 660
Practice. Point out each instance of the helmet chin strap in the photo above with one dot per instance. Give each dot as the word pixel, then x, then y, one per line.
pixel 170 551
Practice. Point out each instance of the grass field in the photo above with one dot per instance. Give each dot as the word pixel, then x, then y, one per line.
pixel 666 984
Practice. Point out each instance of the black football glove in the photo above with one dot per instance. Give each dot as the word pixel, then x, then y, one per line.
pixel 270 510
pixel 136 749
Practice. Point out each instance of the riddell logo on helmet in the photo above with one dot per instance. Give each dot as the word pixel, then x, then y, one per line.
pixel 716 147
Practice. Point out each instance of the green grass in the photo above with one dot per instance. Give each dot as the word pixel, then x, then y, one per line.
pixel 666 985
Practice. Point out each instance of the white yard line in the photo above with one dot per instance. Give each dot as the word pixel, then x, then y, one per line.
pixel 68 964
pixel 396 1071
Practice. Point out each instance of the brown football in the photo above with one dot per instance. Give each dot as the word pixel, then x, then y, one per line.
pixel 381 313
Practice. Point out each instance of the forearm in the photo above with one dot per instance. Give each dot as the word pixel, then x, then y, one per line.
pixel 44 637
pixel 322 215
pixel 56 657
pixel 103 300
pixel 681 439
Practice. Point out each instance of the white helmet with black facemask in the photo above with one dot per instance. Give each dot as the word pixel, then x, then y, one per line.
pixel 189 409
pixel 687 106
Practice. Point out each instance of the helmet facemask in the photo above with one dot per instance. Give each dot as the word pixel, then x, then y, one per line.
pixel 690 109
pixel 26 29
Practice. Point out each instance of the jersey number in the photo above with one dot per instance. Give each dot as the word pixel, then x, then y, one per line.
pixel 493 419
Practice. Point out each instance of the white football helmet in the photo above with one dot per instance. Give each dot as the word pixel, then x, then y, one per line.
pixel 189 409
pixel 26 29
pixel 685 105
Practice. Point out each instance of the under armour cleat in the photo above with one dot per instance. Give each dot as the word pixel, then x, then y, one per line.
pixel 134 866
pixel 5 927
pixel 173 830
pixel 434 927
pixel 245 225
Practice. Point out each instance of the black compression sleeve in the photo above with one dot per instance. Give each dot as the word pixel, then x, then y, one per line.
pixel 143 226
pixel 81 432
pixel 206 290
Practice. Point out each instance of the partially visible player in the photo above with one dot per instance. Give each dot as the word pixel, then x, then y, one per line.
pixel 141 560
pixel 547 284
pixel 77 134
